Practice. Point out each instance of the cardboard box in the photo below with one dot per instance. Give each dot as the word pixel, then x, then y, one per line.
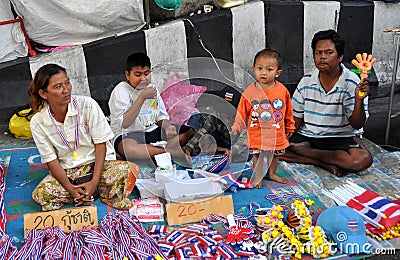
pixel 68 219
pixel 196 210
pixel 192 189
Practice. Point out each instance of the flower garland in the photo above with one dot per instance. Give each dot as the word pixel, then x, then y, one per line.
pixel 293 238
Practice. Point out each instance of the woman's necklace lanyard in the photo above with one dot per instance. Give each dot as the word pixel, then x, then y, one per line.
pixel 62 136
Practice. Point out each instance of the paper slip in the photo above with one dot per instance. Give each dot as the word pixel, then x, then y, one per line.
pixel 159 144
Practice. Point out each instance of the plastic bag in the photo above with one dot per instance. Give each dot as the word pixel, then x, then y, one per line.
pixel 180 99
pixel 210 163
pixel 19 124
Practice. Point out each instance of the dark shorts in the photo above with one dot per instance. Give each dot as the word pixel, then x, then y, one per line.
pixel 156 135
pixel 182 129
pixel 141 137
pixel 328 143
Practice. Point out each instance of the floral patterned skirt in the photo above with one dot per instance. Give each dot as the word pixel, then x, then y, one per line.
pixel 116 184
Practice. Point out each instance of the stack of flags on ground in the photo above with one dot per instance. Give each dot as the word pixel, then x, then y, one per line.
pixel 378 212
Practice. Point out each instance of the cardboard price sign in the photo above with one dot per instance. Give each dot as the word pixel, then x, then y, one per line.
pixel 196 210
pixel 66 219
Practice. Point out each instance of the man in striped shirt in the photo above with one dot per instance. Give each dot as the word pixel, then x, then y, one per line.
pixel 330 108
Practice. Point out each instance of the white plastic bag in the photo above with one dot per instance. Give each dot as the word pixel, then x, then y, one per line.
pixel 59 22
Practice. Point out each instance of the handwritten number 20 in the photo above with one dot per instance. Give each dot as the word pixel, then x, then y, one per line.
pixel 41 222
pixel 184 211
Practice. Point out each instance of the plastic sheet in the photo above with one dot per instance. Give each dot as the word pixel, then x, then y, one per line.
pixel 58 22
pixel 12 40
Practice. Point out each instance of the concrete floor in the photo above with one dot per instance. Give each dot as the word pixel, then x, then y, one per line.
pixel 7 139
pixel 375 127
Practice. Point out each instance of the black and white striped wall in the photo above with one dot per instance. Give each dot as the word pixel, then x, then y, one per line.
pixel 229 38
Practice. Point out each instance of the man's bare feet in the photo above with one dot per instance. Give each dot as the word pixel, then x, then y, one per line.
pixel 300 148
pixel 331 168
pixel 334 170
pixel 277 178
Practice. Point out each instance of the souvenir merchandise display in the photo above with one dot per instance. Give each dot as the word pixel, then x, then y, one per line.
pixel 381 216
pixel 266 217
pixel 295 237
pixel 346 228
pixel 118 236
pixel 284 231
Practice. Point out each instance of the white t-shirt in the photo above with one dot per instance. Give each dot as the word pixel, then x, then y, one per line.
pixel 93 129
pixel 122 98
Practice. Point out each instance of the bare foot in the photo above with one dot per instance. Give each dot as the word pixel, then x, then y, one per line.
pixel 332 169
pixel 300 148
pixel 277 178
pixel 258 184
pixel 257 180
pixel 336 171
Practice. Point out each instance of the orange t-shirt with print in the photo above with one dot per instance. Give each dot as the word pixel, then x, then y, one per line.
pixel 269 116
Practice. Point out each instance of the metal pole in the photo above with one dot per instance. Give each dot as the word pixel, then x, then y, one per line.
pixel 21 22
pixel 396 61
pixel 147 12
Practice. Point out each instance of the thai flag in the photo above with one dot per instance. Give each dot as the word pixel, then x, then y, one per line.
pixel 3 218
pixel 220 165
pixel 226 251
pixel 228 96
pixel 352 224
pixel 230 180
pixel 158 229
pixel 376 208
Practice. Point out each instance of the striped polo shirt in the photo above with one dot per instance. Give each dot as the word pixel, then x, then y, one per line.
pixel 326 114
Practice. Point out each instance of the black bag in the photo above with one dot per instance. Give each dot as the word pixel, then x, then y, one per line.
pixel 84 179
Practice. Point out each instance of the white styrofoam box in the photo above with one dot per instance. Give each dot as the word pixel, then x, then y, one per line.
pixel 163 160
pixel 192 189
pixel 155 186
pixel 149 188
pixel 162 176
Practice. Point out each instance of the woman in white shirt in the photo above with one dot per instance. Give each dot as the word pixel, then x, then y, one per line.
pixel 73 138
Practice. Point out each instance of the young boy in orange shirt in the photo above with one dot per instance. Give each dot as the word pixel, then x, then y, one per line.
pixel 266 106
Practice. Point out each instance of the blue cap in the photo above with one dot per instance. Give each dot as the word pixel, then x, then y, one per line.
pixel 346 227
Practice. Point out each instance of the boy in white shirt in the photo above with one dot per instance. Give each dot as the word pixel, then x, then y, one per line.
pixel 138 115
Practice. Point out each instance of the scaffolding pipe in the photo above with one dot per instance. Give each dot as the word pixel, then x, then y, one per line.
pixel 21 22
